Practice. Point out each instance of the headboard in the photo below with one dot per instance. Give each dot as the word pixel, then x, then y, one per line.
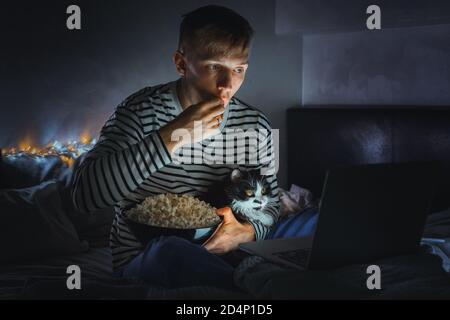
pixel 323 137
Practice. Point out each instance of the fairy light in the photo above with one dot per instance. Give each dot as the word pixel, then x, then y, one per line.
pixel 67 151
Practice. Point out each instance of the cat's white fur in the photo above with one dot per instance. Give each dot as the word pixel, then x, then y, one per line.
pixel 252 210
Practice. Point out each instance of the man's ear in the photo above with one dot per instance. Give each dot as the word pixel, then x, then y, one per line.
pixel 236 175
pixel 180 63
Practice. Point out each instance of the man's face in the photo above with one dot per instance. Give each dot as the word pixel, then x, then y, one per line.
pixel 215 76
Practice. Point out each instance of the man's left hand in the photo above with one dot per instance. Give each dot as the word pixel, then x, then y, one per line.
pixel 229 234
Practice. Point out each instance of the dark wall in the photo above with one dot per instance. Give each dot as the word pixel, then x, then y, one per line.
pixel 404 66
pixel 405 63
pixel 318 16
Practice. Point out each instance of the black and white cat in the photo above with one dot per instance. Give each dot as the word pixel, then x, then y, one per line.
pixel 246 192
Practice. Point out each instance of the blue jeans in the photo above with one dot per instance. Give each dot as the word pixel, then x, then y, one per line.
pixel 299 225
pixel 173 262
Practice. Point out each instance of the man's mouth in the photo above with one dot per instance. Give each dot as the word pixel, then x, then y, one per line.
pixel 225 100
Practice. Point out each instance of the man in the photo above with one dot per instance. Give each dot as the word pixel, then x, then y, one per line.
pixel 134 157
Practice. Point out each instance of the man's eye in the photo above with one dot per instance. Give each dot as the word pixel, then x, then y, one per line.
pixel 239 70
pixel 213 67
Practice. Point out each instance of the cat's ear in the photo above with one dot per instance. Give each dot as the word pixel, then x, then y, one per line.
pixel 236 175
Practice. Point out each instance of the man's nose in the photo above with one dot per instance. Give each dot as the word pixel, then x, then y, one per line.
pixel 225 81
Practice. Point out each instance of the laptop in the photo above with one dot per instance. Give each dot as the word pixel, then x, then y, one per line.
pixel 366 212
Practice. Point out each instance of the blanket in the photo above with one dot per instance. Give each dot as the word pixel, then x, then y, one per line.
pixel 417 276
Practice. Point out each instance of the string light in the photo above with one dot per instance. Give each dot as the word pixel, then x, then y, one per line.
pixel 67 152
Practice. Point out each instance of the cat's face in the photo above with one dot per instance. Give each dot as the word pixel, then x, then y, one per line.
pixel 248 190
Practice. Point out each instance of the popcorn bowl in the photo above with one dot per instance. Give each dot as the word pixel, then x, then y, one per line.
pixel 185 216
pixel 145 233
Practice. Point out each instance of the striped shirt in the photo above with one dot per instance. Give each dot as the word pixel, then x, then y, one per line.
pixel 130 162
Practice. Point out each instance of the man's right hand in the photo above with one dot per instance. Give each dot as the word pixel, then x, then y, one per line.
pixel 204 113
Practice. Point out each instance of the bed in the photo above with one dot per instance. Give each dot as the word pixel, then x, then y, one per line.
pixel 318 138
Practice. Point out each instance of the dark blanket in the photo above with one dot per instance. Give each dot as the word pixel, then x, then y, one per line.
pixel 47 279
pixel 418 276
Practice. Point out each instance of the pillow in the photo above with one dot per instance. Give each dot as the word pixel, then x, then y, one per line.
pixel 25 171
pixel 295 200
pixel 34 224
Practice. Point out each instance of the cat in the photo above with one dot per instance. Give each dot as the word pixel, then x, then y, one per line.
pixel 247 193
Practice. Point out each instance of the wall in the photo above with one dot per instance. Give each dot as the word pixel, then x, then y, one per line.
pixel 402 66
pixel 405 63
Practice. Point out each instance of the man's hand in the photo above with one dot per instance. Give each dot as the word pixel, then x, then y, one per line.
pixel 229 234
pixel 204 115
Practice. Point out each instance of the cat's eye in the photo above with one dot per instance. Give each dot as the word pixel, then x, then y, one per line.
pixel 264 190
pixel 248 193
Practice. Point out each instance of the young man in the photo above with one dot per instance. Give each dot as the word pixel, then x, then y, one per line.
pixel 134 157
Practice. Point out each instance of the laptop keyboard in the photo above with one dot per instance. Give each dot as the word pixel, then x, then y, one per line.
pixel 298 256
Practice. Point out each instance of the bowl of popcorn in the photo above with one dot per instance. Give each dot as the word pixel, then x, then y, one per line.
pixel 172 215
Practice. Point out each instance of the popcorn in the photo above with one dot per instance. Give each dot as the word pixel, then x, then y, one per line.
pixel 174 211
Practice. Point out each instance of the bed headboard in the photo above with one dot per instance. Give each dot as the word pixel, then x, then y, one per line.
pixel 319 138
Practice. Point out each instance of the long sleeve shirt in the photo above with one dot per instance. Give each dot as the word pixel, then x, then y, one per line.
pixel 131 162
